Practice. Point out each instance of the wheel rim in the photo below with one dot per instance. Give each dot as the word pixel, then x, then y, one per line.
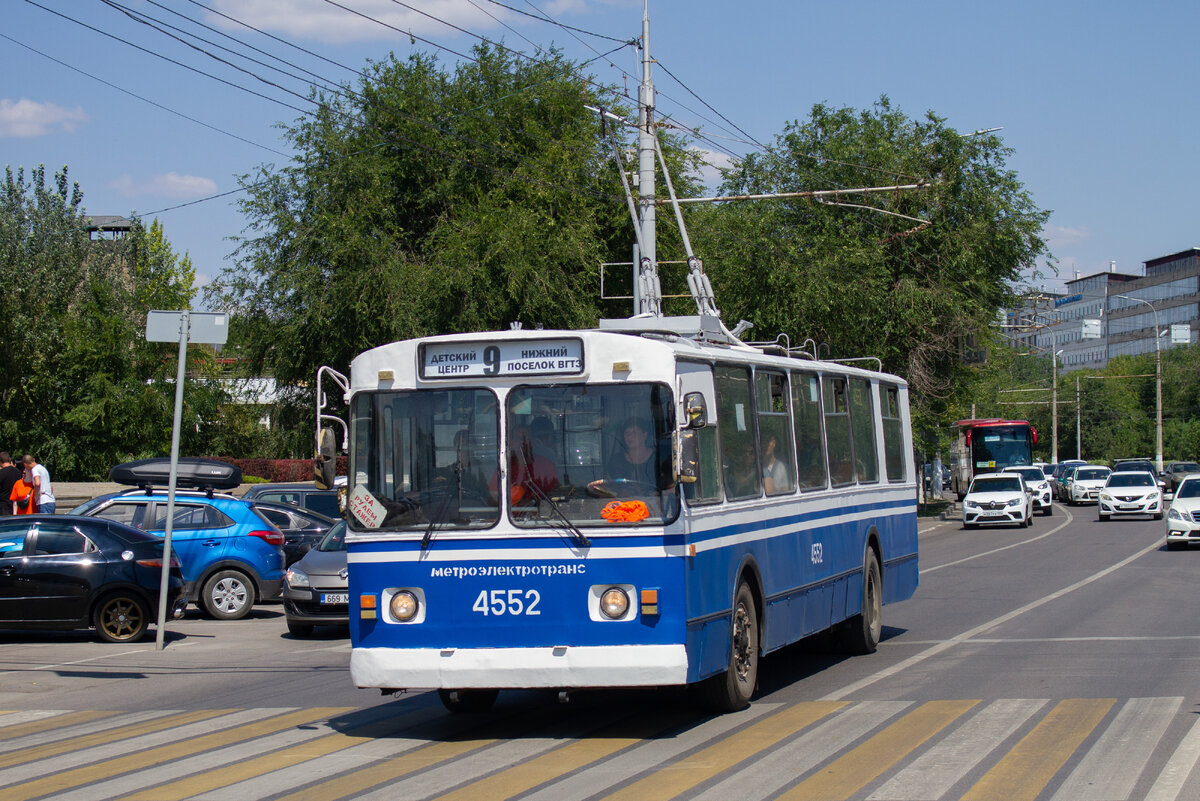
pixel 873 605
pixel 743 653
pixel 229 595
pixel 121 618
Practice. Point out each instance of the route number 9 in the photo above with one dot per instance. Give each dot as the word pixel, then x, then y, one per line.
pixel 491 360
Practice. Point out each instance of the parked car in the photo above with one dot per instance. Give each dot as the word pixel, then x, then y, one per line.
pixel 302 528
pixel 297 493
pixel 1183 518
pixel 1174 472
pixel 1038 485
pixel 315 589
pixel 63 572
pixel 943 484
pixel 997 498
pixel 1086 483
pixel 1130 492
pixel 231 555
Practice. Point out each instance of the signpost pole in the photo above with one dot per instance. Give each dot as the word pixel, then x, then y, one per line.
pixel 187 326
pixel 161 629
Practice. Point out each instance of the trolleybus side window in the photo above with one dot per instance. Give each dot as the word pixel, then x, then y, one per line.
pixel 810 435
pixel 695 377
pixel 837 430
pixel 739 452
pixel 774 432
pixel 862 420
pixel 893 433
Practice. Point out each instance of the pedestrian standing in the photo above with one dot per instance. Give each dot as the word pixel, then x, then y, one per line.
pixel 10 474
pixel 43 492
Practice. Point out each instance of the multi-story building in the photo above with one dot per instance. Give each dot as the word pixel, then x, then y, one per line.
pixel 1128 307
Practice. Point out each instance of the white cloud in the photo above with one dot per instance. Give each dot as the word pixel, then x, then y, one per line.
pixel 171 184
pixel 25 118
pixel 1058 236
pixel 713 162
pixel 319 21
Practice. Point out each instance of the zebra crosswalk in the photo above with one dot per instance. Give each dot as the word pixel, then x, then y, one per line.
pixel 1072 749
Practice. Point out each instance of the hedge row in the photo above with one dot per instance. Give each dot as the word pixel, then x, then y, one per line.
pixel 281 469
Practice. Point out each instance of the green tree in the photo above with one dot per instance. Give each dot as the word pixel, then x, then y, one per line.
pixel 84 390
pixel 862 283
pixel 427 201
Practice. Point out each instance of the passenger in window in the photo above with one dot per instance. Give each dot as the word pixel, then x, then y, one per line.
pixel 743 472
pixel 635 461
pixel 524 468
pixel 774 471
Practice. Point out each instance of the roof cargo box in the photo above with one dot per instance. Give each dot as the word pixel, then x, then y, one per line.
pixel 191 473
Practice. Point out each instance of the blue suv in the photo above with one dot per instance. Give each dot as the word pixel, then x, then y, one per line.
pixel 232 556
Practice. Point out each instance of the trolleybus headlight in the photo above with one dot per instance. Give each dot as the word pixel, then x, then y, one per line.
pixel 404 606
pixel 614 603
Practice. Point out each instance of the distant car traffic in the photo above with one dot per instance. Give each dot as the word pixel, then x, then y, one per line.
pixel 1183 518
pixel 315 590
pixel 1174 472
pixel 1086 483
pixel 297 493
pixel 62 572
pixel 232 556
pixel 1062 478
pixel 1132 492
pixel 302 528
pixel 1038 485
pixel 997 498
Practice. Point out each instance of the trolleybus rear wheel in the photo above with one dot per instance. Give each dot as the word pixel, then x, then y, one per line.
pixel 862 632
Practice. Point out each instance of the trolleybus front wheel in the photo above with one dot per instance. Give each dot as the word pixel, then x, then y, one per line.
pixel 468 701
pixel 731 690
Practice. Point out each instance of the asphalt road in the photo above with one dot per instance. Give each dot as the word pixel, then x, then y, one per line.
pixel 1056 662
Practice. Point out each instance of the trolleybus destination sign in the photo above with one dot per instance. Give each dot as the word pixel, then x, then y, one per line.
pixel 510 358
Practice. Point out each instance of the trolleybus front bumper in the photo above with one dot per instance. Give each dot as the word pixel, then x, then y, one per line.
pixel 512 668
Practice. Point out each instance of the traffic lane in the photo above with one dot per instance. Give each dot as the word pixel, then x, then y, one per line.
pixel 248 662
pixel 1101 611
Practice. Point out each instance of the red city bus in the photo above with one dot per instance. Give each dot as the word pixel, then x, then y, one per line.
pixel 988 446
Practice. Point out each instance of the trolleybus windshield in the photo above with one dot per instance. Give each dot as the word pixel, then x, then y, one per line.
pixel 576 454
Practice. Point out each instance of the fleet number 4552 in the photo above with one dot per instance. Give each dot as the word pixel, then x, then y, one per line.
pixel 507 602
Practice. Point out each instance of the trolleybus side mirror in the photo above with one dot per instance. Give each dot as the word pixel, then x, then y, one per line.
pixel 695 410
pixel 325 460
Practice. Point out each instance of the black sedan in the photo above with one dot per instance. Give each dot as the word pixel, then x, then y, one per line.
pixel 66 572
pixel 302 528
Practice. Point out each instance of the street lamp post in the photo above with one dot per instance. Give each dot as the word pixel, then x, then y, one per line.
pixel 1158 450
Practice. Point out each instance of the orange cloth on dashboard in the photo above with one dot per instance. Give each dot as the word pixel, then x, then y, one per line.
pixel 625 511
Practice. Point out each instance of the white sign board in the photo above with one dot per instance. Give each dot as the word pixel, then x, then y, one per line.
pixel 1181 334
pixel 1090 330
pixel 499 359
pixel 206 328
pixel 365 507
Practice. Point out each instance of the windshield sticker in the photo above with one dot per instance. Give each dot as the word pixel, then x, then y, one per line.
pixel 365 507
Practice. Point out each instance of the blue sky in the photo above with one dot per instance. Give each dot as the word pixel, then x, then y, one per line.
pixel 1097 99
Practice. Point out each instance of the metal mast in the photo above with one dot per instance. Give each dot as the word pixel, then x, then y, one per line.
pixel 648 288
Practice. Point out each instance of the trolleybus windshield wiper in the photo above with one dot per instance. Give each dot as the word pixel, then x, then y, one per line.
pixel 441 515
pixel 531 482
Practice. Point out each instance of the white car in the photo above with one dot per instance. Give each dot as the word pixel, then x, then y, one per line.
pixel 1086 483
pixel 1131 493
pixel 1038 484
pixel 1183 518
pixel 997 498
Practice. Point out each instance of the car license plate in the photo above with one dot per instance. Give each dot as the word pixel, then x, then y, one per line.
pixel 1131 506
pixel 991 514
pixel 335 597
